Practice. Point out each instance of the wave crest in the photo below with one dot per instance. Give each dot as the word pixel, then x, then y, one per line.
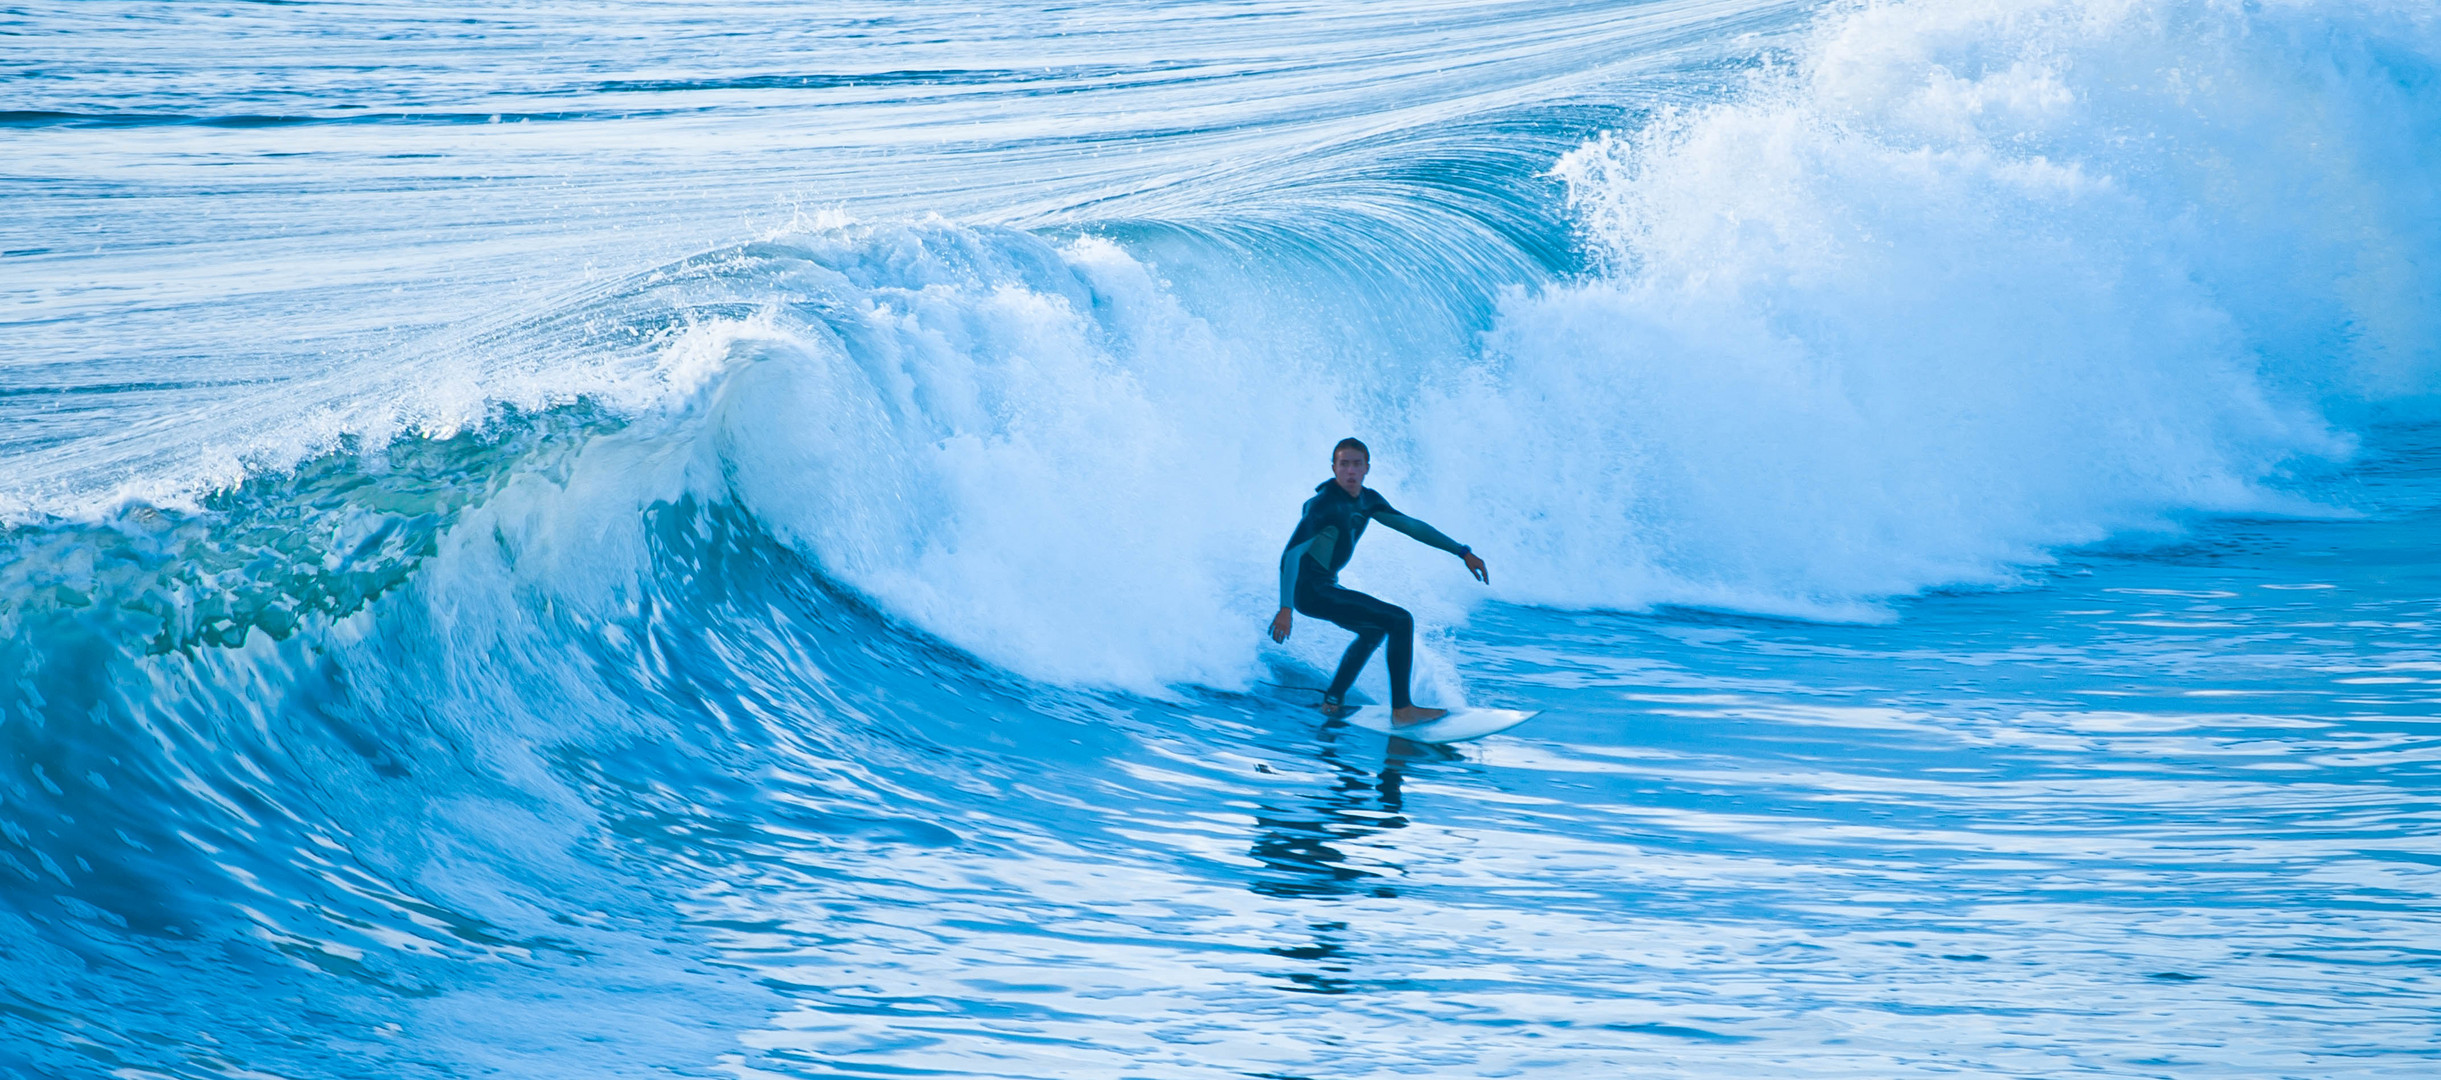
pixel 1955 284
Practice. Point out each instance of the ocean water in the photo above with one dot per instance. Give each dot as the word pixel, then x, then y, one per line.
pixel 733 540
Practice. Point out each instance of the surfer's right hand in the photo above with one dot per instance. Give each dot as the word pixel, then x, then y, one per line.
pixel 1279 625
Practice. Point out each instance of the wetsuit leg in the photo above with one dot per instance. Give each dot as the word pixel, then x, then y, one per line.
pixel 1373 621
pixel 1352 664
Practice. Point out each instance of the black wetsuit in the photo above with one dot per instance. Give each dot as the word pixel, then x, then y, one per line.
pixel 1309 582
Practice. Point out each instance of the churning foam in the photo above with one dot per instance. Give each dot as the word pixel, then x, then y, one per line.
pixel 1031 451
pixel 1957 283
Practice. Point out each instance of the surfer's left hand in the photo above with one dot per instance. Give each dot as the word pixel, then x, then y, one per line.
pixel 1474 565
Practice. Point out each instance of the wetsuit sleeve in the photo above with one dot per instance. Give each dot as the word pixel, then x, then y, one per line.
pixel 1291 561
pixel 1420 531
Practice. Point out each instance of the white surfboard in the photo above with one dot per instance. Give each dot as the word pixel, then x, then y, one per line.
pixel 1459 726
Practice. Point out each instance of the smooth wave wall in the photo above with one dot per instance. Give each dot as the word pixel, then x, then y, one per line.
pixel 391 725
pixel 1954 284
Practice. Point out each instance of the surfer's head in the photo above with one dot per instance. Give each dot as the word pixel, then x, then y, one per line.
pixel 1350 461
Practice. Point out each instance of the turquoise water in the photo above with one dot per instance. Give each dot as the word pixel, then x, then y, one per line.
pixel 630 540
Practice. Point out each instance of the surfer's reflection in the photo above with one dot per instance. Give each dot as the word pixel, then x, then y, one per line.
pixel 1304 846
pixel 1301 843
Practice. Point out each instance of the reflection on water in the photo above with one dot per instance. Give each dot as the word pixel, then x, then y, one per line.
pixel 1306 844
pixel 1301 843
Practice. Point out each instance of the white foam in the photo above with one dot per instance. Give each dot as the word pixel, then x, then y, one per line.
pixel 1034 453
pixel 1962 283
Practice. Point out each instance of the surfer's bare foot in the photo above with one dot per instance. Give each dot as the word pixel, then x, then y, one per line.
pixel 1415 714
pixel 1333 708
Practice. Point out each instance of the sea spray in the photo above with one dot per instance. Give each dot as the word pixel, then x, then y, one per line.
pixel 1952 285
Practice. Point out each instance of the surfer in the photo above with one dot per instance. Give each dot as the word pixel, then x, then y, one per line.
pixel 1309 579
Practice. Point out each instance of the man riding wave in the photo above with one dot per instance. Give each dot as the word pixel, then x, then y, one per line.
pixel 1309 579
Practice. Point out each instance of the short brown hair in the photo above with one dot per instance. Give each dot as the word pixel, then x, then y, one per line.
pixel 1351 443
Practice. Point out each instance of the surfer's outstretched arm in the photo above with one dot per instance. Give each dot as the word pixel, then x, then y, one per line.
pixel 1436 538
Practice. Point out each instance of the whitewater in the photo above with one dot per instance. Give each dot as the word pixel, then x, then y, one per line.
pixel 735 540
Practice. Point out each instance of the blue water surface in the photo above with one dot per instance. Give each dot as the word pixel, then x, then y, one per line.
pixel 622 539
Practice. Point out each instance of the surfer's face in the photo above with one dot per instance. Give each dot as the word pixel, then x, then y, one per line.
pixel 1350 467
